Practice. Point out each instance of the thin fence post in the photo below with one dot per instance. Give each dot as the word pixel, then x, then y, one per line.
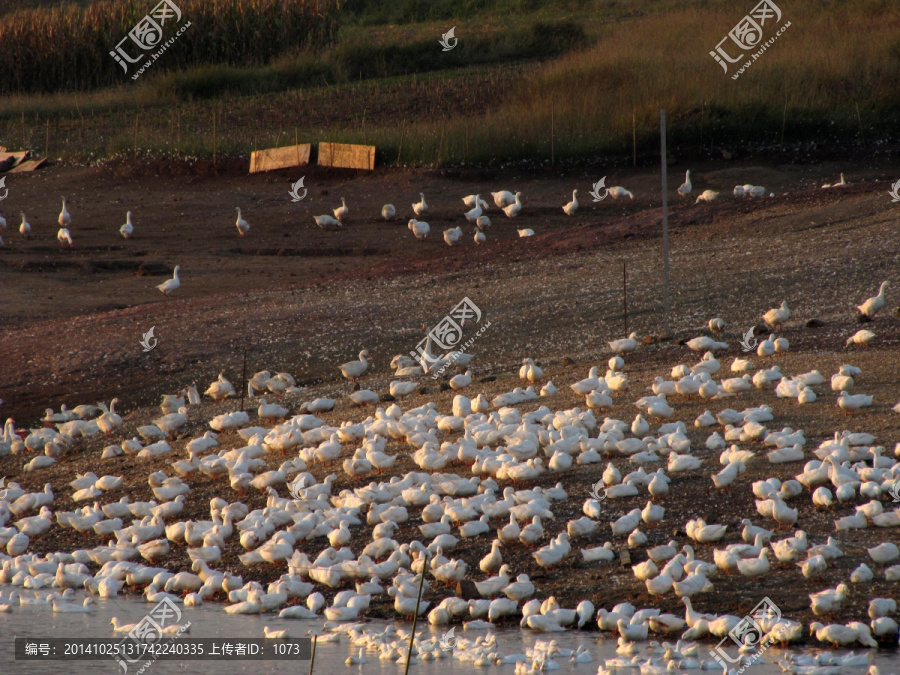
pixel 47 141
pixel 400 146
pixel 665 212
pixel 783 120
pixel 625 294
pixel 467 144
pixel 215 140
pixel 24 144
pixel 244 381
pixel 552 139
pixel 312 658
pixel 412 635
pixel 633 138
pixel 702 119
pixel 859 119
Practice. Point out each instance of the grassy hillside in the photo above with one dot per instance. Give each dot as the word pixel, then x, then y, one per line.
pixel 528 80
pixel 69 46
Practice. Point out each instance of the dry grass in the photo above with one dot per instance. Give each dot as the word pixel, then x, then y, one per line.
pixel 70 45
pixel 832 59
pixel 829 81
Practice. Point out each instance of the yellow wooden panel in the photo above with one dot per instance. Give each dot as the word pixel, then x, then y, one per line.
pixel 279 158
pixel 347 156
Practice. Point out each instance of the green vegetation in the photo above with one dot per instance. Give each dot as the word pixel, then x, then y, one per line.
pixel 69 46
pixel 586 68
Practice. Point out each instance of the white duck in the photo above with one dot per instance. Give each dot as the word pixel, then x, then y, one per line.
pixel 342 211
pixel 513 209
pixel 25 227
pixel 327 223
pixel 419 228
pixel 861 338
pixel 354 369
pixel 850 403
pixel 874 304
pixel 777 316
pixel 243 227
pixel 617 192
pixel 64 237
pixel 453 236
pixel 420 208
pixel 171 285
pixel 475 213
pixel 503 198
pixel 127 230
pixel 388 212
pixel 570 208
pixel 625 345
pixel 64 218
pixel 685 188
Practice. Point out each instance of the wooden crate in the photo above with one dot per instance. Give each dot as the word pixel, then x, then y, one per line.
pixel 347 156
pixel 279 158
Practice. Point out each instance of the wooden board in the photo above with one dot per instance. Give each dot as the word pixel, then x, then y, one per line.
pixel 279 158
pixel 28 165
pixel 347 156
pixel 9 160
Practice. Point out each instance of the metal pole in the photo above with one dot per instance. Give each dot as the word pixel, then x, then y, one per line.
pixel 625 294
pixel 312 658
pixel 412 635
pixel 244 381
pixel 552 140
pixel 633 139
pixel 665 211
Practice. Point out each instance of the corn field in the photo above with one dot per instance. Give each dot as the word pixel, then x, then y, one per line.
pixel 68 47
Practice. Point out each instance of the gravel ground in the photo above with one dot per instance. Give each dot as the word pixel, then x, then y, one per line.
pixel 556 297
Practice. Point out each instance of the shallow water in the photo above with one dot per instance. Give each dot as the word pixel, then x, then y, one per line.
pixel 211 621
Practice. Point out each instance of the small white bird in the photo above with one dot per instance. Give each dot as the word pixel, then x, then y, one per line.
pixel 685 189
pixel 171 285
pixel 458 382
pixel 861 338
pixel 388 212
pixel 25 227
pixel 452 236
pixel 617 191
pixel 777 316
pixel 503 198
pixel 327 223
pixel 707 196
pixel 570 208
pixel 420 208
pixel 342 211
pixel 850 403
pixel 64 237
pixel 243 227
pixel 475 213
pixel 64 218
pixel 480 238
pixel 874 304
pixel 527 232
pixel 419 228
pixel 127 230
pixel 513 209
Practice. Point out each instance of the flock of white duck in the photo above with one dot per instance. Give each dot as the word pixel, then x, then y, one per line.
pixel 508 202
pixel 499 444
